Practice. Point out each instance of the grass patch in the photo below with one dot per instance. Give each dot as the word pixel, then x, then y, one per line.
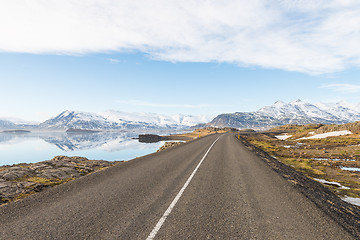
pixel 4 200
pixel 304 166
pixel 202 132
pixel 22 195
pixel 331 153
pixel 266 146
pixel 48 182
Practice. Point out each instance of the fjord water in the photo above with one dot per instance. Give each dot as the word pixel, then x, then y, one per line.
pixel 40 146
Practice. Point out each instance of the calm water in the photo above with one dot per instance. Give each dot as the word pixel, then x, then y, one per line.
pixel 35 147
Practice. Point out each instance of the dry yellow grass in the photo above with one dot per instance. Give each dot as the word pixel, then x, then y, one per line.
pixel 202 132
pixel 318 158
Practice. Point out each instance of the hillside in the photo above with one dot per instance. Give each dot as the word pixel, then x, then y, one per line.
pixel 296 112
pixel 330 154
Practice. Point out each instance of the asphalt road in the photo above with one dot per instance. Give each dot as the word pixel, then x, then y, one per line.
pixel 232 194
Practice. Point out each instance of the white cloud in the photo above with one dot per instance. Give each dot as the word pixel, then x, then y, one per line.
pixel 113 60
pixel 162 105
pixel 343 87
pixel 305 36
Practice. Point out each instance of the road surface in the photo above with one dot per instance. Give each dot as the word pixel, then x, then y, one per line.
pixel 210 188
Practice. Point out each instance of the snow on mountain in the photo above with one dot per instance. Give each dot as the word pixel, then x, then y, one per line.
pixel 116 120
pixel 296 112
pixel 158 120
pixel 20 121
pixel 72 119
pixel 5 124
pixel 343 110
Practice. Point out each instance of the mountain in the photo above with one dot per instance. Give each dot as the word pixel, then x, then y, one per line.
pixel 78 120
pixel 296 112
pixel 5 124
pixel 115 120
pixel 156 120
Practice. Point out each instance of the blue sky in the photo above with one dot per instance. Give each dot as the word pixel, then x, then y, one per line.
pixel 175 56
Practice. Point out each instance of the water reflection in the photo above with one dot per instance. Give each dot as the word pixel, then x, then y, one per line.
pixel 34 147
pixel 80 141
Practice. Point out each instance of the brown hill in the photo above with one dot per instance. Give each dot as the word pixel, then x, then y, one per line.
pixel 352 127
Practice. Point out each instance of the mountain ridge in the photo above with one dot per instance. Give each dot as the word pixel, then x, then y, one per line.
pixel 114 120
pixel 295 112
pixel 280 113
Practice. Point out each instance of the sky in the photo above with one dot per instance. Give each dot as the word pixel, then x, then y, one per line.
pixel 191 57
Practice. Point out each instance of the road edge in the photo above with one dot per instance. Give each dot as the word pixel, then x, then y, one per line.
pixel 345 214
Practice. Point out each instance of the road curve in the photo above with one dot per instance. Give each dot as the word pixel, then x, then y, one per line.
pixel 232 195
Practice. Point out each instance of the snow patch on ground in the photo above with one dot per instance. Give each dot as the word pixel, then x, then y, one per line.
pixel 355 201
pixel 328 134
pixel 283 136
pixel 334 159
pixel 350 169
pixel 336 184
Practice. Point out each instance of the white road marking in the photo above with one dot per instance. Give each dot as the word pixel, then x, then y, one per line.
pixel 172 205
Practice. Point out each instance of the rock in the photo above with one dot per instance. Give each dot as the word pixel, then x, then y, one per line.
pixel 40 166
pixel 25 184
pixel 12 175
pixel 168 145
pixel 15 168
pixel 61 173
pixel 9 191
pixel 3 184
pixel 149 138
pixel 57 169
pixel 57 158
pixel 68 159
pixel 62 163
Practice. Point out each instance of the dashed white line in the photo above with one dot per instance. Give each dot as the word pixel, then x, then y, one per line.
pixel 172 205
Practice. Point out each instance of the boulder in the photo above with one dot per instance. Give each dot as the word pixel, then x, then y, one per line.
pixel 12 175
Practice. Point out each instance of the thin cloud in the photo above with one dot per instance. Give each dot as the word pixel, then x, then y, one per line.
pixel 305 36
pixel 343 87
pixel 113 60
pixel 162 105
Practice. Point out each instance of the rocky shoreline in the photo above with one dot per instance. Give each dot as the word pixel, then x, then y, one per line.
pixel 20 180
pixel 168 145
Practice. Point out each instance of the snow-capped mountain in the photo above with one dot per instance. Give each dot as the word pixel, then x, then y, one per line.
pixel 156 120
pixel 114 120
pixel 5 124
pixel 72 119
pixel 296 112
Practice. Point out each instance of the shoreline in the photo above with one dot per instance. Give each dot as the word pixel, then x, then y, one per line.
pixel 24 179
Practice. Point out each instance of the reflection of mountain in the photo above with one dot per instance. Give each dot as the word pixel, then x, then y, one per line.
pixel 6 137
pixel 106 141
pixel 71 142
